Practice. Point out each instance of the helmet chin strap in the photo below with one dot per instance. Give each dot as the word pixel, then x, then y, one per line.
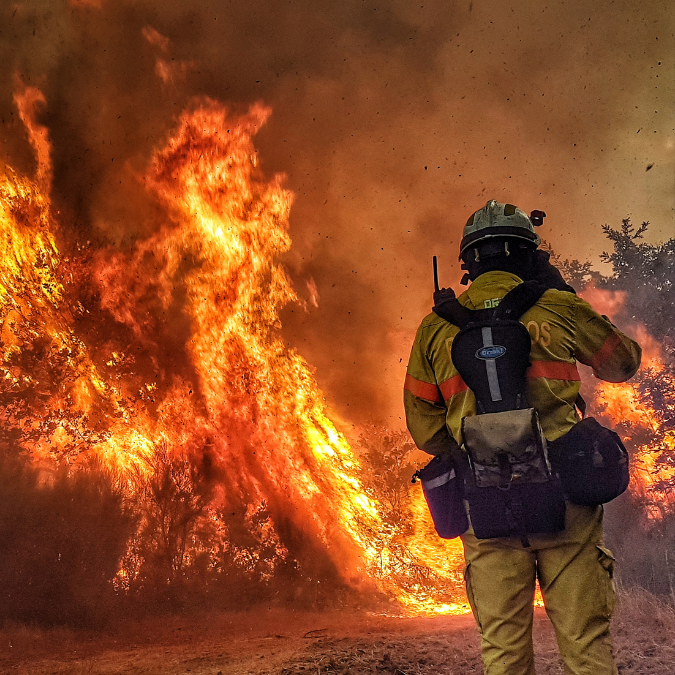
pixel 491 249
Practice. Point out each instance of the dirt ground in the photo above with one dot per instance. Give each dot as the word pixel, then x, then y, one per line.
pixel 275 642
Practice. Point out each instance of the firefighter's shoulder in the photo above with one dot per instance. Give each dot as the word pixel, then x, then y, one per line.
pixel 431 320
pixel 433 334
pixel 556 305
pixel 553 296
pixel 432 324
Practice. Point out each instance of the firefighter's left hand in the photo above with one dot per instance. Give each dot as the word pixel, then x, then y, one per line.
pixel 547 274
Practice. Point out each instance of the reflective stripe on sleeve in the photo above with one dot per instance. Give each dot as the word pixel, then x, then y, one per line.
pixel 605 352
pixel 554 370
pixel 421 389
pixel 453 386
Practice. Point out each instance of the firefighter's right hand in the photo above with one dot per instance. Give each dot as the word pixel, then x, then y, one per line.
pixel 442 295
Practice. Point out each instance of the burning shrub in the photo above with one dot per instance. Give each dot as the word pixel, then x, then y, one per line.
pixel 410 556
pixel 200 547
pixel 62 537
pixel 176 532
pixel 388 467
pixel 643 544
pixel 640 526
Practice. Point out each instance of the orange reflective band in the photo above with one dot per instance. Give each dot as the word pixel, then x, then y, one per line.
pixel 453 386
pixel 554 370
pixel 605 352
pixel 421 389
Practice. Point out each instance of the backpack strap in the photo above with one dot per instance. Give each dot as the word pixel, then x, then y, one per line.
pixel 455 313
pixel 519 299
pixel 512 306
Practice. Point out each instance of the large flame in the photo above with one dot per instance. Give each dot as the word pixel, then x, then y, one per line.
pixel 232 386
pixel 167 354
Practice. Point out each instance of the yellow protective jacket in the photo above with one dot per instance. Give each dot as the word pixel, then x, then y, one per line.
pixel 564 329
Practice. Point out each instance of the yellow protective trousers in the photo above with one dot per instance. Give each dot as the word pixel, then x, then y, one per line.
pixel 574 570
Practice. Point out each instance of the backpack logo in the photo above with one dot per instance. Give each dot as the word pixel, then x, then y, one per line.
pixel 491 352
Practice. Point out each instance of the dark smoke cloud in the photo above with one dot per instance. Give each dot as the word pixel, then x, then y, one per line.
pixel 393 122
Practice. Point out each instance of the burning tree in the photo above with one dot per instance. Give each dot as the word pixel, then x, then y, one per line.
pixel 641 290
pixel 161 362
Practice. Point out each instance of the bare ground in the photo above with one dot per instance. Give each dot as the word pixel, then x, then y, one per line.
pixel 275 642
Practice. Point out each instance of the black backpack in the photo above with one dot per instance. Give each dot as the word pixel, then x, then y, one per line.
pixel 508 481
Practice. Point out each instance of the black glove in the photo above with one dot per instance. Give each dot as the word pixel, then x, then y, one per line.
pixel 542 271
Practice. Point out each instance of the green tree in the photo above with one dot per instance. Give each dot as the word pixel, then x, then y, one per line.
pixel 646 272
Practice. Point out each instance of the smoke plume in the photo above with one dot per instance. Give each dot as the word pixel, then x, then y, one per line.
pixel 392 123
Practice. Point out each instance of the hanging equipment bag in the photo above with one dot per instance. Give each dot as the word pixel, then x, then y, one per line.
pixel 443 491
pixel 592 463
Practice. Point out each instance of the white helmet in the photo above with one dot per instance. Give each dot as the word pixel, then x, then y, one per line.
pixel 500 220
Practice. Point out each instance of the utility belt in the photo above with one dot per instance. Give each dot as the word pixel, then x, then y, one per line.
pixel 515 482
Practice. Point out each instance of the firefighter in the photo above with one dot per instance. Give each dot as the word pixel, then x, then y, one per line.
pixel 573 567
